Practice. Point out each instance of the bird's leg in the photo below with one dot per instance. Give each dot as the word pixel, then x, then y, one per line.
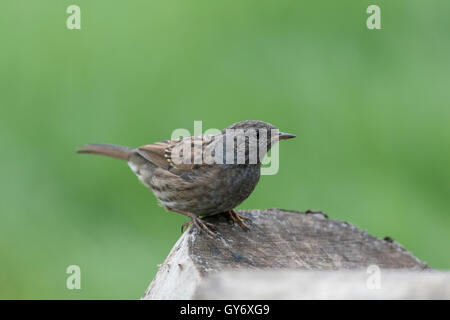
pixel 202 225
pixel 238 218
pixel 228 216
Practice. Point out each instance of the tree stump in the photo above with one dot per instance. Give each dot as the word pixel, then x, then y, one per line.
pixel 278 239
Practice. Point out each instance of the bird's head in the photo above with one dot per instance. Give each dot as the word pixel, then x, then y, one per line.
pixel 255 136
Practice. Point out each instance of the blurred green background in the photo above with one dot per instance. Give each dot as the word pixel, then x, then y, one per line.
pixel 370 108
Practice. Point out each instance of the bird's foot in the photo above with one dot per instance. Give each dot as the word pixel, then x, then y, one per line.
pixel 233 216
pixel 201 225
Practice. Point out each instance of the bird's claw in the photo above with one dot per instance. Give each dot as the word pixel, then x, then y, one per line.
pixel 185 225
pixel 233 216
pixel 201 225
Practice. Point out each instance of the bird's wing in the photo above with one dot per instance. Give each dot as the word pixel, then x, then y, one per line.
pixel 180 154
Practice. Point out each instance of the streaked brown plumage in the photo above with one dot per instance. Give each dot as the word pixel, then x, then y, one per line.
pixel 191 175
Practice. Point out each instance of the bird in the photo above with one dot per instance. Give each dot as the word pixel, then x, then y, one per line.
pixel 202 175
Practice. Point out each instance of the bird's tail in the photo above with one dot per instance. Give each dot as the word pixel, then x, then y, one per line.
pixel 109 150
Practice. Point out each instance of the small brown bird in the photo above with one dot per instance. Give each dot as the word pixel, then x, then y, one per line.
pixel 201 175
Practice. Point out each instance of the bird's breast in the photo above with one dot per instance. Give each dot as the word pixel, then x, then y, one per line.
pixel 205 191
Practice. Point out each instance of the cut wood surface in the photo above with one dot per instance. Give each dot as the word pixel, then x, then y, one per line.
pixel 278 239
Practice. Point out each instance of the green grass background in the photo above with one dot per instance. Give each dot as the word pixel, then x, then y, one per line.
pixel 370 109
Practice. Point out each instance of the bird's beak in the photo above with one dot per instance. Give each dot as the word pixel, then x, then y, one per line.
pixel 284 136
